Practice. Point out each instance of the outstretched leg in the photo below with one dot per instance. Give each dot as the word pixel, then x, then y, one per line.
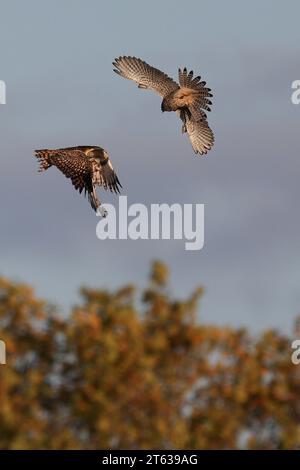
pixel 96 204
pixel 183 118
pixel 101 211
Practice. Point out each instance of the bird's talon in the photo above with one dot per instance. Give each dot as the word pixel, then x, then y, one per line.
pixel 103 212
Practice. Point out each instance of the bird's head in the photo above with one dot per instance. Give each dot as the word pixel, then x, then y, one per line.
pixel 105 154
pixel 97 153
pixel 102 155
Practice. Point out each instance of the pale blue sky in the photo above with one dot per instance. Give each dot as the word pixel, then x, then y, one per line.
pixel 56 61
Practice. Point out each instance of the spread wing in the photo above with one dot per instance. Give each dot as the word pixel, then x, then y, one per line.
pixel 72 163
pixel 99 163
pixel 145 75
pixel 200 134
pixel 108 176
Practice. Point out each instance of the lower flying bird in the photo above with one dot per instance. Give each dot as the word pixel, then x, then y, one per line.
pixel 189 99
pixel 86 166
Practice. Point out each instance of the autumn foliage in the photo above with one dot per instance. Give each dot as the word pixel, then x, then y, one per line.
pixel 131 371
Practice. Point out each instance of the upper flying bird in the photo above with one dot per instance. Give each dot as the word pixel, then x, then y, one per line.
pixel 189 98
pixel 87 166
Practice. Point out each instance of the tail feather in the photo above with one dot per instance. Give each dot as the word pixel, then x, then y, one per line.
pixel 187 80
pixel 201 94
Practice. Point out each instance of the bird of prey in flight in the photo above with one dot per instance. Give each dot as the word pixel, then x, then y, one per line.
pixel 86 166
pixel 189 99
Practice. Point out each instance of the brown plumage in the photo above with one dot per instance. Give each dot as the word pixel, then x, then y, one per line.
pixel 86 166
pixel 189 98
pixel 200 134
